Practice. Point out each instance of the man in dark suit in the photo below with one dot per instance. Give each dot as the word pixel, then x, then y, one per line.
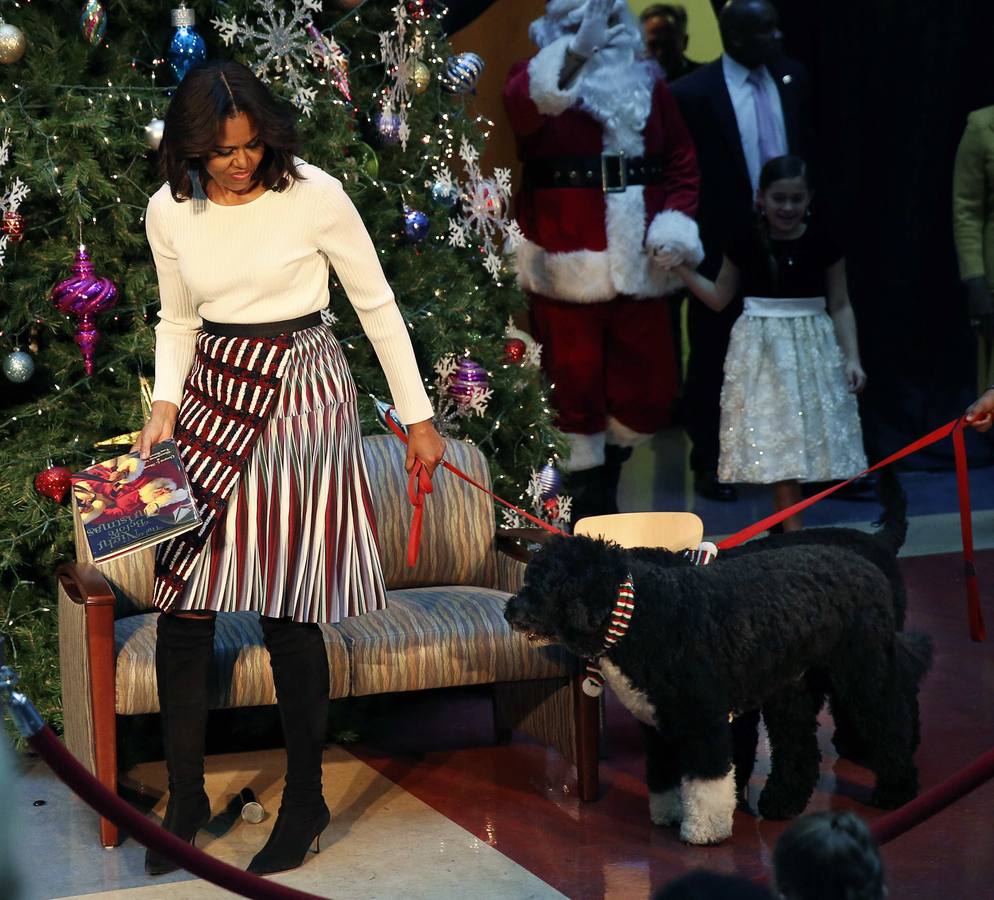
pixel 743 108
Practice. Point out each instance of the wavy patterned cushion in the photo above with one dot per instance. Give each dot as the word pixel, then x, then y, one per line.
pixel 241 676
pixel 443 636
pixel 457 544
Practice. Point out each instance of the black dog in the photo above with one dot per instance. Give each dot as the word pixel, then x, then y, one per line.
pixel 765 631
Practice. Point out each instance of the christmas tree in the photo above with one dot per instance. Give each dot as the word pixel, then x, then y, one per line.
pixel 383 105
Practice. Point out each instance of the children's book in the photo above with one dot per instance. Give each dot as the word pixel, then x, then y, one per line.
pixel 128 503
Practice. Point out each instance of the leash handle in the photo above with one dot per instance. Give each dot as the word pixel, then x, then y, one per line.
pixel 413 493
pixel 418 487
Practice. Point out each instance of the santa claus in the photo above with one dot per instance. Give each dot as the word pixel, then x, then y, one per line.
pixel 608 193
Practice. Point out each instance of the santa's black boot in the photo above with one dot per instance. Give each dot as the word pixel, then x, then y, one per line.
pixel 587 488
pixel 614 458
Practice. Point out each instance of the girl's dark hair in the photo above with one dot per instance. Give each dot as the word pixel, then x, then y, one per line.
pixel 781 167
pixel 208 95
pixel 828 856
pixel 776 169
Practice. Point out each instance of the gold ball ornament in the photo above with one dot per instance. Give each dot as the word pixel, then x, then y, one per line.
pixel 421 77
pixel 13 43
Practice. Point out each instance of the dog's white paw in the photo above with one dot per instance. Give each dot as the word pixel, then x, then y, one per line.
pixel 708 808
pixel 704 833
pixel 666 808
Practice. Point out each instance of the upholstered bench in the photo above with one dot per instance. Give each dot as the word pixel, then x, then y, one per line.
pixel 443 627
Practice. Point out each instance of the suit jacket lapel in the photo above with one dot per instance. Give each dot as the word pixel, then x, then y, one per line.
pixel 724 113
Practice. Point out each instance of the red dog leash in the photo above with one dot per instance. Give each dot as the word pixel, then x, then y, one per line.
pixel 419 485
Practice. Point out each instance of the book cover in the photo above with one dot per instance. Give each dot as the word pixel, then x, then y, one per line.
pixel 127 503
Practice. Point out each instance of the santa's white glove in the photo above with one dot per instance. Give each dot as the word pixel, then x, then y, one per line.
pixel 666 257
pixel 594 32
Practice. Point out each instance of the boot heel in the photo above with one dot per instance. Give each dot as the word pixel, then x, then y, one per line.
pixel 317 845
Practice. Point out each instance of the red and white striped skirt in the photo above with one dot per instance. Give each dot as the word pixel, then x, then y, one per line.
pixel 297 535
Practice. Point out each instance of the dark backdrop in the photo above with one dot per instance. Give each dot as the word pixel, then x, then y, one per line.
pixel 894 80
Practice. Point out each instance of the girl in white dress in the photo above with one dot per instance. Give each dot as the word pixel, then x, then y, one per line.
pixel 792 370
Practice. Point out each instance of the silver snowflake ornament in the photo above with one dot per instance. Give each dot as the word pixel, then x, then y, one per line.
pixel 399 55
pixel 484 211
pixel 11 198
pixel 283 47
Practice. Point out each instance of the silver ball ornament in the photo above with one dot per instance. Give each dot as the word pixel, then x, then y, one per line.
pixel 13 43
pixel 18 366
pixel 153 133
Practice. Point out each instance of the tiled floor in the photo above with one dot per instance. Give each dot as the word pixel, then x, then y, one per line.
pixel 427 806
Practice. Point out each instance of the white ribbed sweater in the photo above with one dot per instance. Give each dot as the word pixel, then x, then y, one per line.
pixel 267 261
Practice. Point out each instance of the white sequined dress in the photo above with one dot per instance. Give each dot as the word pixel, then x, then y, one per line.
pixel 786 412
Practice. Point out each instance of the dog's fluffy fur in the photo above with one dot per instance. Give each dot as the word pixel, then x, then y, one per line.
pixel 880 548
pixel 771 631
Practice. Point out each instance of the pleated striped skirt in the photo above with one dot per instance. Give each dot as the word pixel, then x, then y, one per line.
pixel 296 536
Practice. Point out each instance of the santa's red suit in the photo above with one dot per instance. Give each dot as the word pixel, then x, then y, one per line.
pixel 597 297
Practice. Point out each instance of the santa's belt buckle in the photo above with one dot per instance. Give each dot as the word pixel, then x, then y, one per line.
pixel 613 182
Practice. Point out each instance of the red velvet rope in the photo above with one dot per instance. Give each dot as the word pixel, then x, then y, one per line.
pixel 112 807
pixel 935 799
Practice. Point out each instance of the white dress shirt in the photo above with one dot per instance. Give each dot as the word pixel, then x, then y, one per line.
pixel 744 103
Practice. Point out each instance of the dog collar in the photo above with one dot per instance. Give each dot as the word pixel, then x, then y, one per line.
pixel 617 628
pixel 621 617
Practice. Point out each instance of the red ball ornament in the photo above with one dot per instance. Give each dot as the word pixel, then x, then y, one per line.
pixel 54 483
pixel 514 350
pixel 13 226
pixel 419 9
pixel 551 507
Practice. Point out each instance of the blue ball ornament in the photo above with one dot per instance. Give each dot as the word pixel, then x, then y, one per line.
pixel 462 72
pixel 444 195
pixel 187 48
pixel 415 224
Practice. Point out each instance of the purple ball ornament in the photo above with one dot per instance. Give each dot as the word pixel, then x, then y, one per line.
pixel 550 482
pixel 469 380
pixel 84 295
pixel 388 127
pixel 415 224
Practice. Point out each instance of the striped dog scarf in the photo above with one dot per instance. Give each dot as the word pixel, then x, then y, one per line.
pixel 621 617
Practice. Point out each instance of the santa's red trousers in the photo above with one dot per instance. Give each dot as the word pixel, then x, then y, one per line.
pixel 612 359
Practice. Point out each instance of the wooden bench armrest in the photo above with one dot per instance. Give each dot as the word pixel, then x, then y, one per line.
pixel 514 541
pixel 84 584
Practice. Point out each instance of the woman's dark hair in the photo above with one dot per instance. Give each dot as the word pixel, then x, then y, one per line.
pixel 777 169
pixel 204 99
pixel 828 856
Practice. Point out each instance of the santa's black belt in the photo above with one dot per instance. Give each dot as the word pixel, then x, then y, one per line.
pixel 262 329
pixel 611 172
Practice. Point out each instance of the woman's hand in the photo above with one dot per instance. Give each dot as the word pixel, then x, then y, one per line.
pixel 981 412
pixel 855 376
pixel 159 427
pixel 425 444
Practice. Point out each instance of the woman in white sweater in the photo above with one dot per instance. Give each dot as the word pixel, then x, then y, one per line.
pixel 257 394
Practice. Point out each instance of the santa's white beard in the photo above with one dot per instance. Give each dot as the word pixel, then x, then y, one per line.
pixel 616 88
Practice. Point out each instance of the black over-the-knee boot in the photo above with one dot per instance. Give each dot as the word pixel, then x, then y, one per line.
pixel 300 673
pixel 184 648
